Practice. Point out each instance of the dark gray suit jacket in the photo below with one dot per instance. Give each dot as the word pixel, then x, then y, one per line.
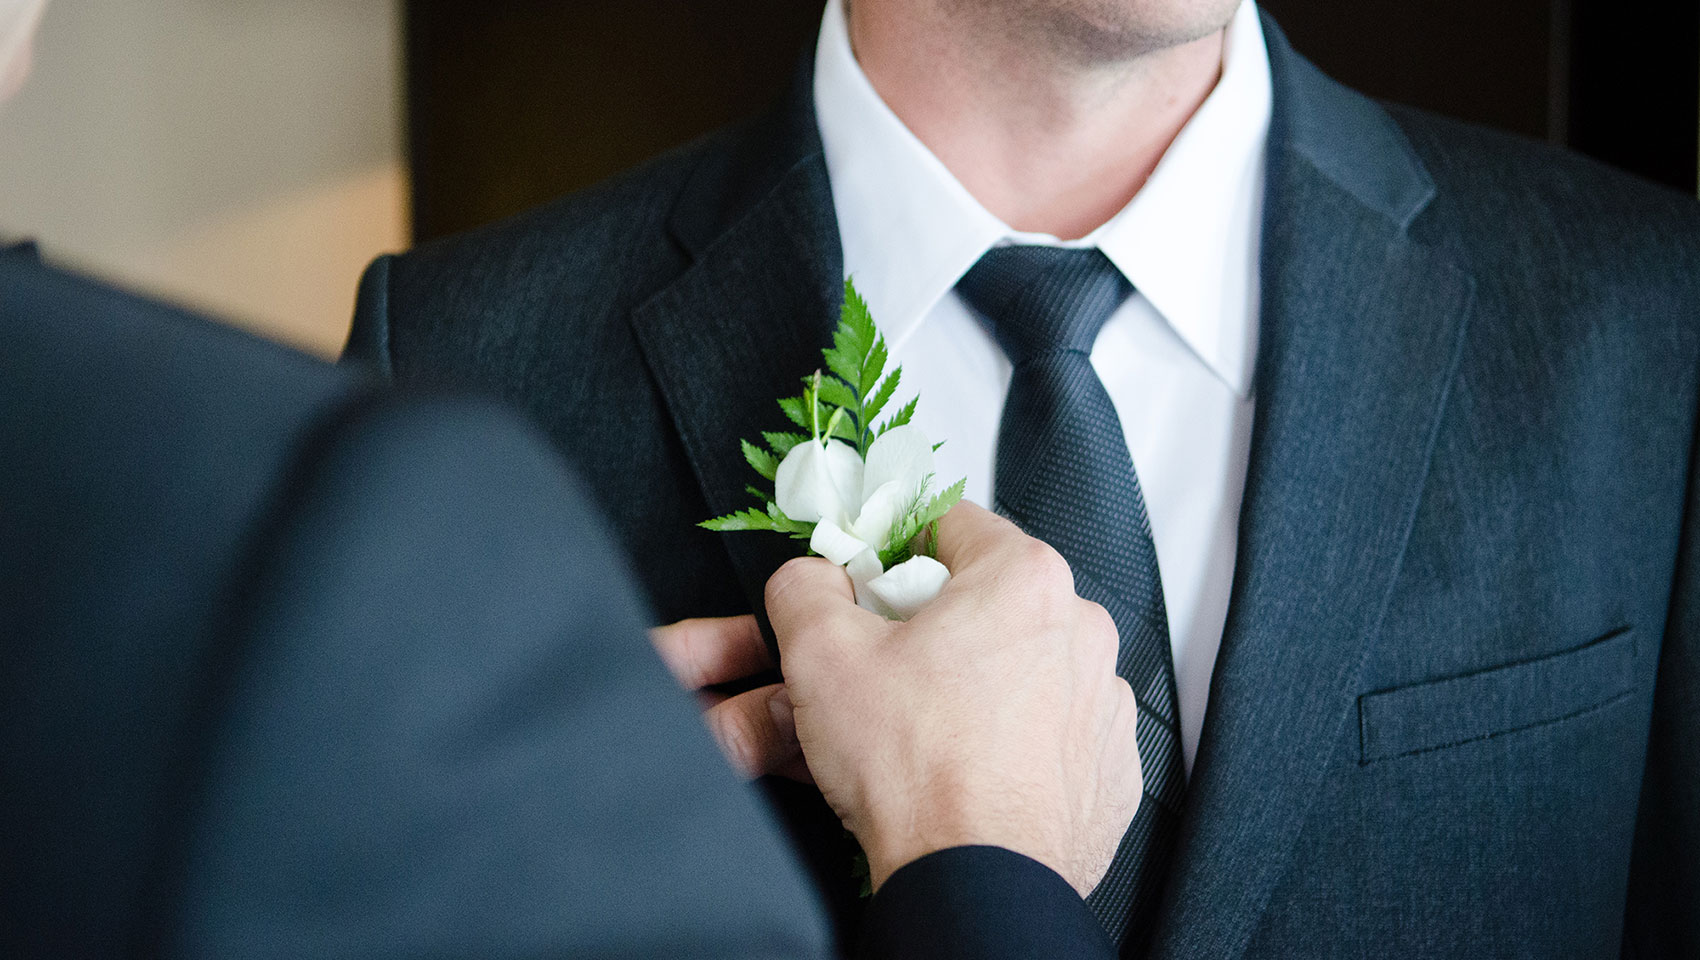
pixel 295 669
pixel 1455 707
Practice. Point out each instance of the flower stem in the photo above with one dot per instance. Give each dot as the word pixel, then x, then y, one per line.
pixel 811 396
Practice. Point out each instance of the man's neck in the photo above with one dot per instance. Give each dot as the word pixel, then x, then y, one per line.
pixel 1048 142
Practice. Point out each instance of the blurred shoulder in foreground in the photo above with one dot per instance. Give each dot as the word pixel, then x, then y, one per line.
pixel 295 666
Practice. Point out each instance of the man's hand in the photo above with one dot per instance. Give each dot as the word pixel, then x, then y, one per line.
pixel 993 717
pixel 753 728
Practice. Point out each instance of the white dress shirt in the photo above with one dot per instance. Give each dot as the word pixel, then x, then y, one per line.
pixel 1176 358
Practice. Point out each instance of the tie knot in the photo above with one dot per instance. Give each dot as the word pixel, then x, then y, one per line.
pixel 1038 300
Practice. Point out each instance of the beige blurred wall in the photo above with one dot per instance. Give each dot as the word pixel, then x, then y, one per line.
pixel 240 156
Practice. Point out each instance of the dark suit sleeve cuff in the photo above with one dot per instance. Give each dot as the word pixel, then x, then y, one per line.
pixel 975 903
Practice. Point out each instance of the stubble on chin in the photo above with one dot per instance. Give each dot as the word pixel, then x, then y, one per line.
pixel 1095 33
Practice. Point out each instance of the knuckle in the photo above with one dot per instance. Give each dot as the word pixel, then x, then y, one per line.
pixel 1046 567
pixel 1103 637
pixel 1128 702
pixel 996 527
pixel 1128 715
pixel 1098 620
pixel 786 579
pixel 1129 731
pixel 1037 554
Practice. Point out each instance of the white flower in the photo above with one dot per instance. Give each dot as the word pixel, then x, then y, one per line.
pixel 909 586
pixel 855 507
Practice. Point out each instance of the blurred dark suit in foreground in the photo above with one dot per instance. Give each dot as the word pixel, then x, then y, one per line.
pixel 293 668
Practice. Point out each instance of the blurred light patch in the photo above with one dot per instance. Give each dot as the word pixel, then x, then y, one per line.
pixel 241 156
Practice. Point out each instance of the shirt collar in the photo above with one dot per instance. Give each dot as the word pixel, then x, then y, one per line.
pixel 1188 240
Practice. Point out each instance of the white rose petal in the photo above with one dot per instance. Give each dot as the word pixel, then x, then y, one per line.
pixel 830 541
pixel 903 455
pixel 873 525
pixel 863 569
pixel 909 586
pixel 816 481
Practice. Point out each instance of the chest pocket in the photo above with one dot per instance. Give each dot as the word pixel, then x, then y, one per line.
pixel 1437 714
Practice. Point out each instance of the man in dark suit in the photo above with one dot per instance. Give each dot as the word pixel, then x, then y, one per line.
pixel 1451 558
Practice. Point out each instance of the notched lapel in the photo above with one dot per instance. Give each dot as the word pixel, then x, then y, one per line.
pixel 1361 332
pixel 737 331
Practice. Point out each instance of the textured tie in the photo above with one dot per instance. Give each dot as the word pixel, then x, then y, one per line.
pixel 1064 475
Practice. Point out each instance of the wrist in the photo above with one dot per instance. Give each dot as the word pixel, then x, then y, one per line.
pixel 910 833
pixel 902 832
pixel 890 854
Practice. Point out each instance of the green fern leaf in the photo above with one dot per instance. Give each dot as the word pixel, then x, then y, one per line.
pixel 750 519
pixel 785 524
pixel 796 410
pixel 782 442
pixel 760 459
pixel 872 368
pixel 902 417
pixel 882 396
pixel 836 393
pixel 854 340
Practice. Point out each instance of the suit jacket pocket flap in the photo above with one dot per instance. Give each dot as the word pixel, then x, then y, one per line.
pixel 1447 713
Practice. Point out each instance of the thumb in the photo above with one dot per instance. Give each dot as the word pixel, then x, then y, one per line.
pixel 809 596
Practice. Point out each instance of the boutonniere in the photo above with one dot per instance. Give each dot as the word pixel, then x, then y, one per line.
pixel 859 489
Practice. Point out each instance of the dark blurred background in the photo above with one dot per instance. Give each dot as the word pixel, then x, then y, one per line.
pixel 514 102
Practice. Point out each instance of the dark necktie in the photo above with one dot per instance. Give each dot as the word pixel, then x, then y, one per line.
pixel 1064 475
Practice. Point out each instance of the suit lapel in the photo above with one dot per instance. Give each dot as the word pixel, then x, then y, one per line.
pixel 748 318
pixel 1360 335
